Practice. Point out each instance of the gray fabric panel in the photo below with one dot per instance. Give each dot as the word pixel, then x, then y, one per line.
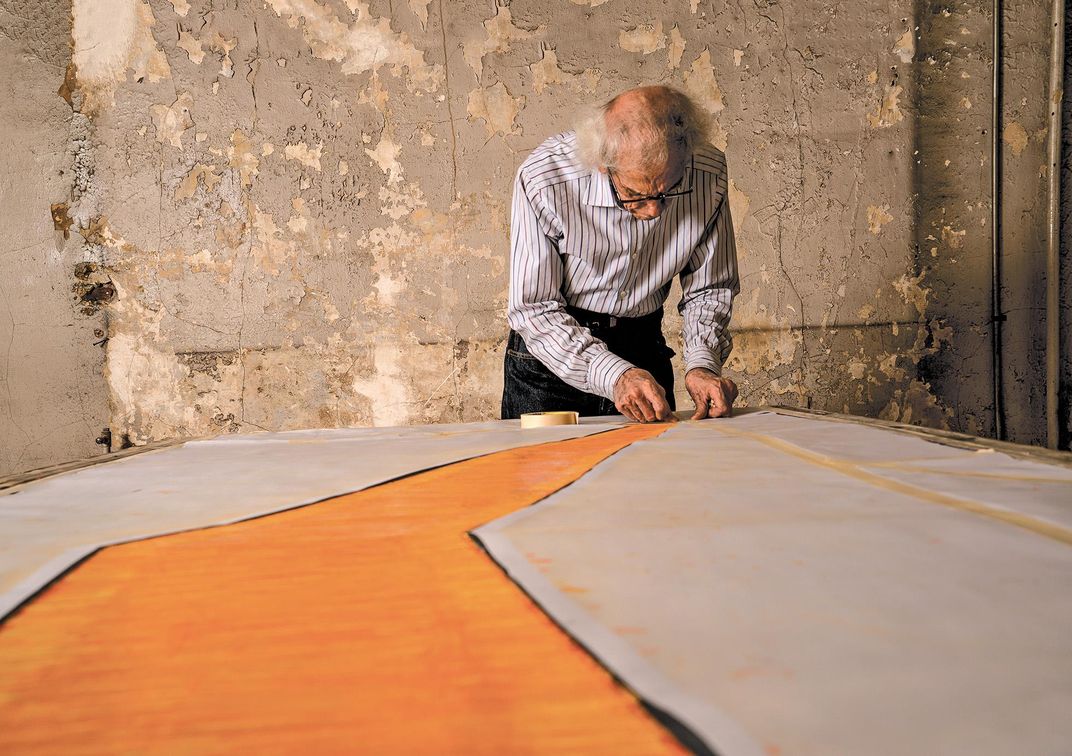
pixel 777 602
pixel 47 526
pixel 1040 490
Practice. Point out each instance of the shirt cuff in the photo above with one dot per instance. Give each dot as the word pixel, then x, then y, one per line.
pixel 604 371
pixel 701 358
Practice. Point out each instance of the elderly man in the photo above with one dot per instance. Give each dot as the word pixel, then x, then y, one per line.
pixel 603 219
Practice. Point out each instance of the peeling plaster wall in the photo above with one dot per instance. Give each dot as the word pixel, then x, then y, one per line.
pixel 1025 136
pixel 954 233
pixel 1065 303
pixel 53 400
pixel 302 205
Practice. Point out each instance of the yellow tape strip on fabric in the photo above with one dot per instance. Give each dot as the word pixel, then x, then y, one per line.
pixel 1040 527
pixel 966 473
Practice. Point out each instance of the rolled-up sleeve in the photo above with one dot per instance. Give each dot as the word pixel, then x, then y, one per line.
pixel 709 282
pixel 536 307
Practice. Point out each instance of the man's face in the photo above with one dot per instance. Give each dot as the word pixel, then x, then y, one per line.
pixel 631 183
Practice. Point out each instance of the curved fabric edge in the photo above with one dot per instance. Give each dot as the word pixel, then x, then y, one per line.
pixel 711 727
pixel 711 724
pixel 26 589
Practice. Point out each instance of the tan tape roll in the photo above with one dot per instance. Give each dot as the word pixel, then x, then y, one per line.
pixel 546 419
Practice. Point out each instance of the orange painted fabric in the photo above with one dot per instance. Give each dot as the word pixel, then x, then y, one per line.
pixel 370 622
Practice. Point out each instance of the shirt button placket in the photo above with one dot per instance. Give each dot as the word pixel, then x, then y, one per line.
pixel 624 293
pixel 630 271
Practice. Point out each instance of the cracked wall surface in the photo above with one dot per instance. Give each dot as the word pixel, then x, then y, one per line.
pixel 53 400
pixel 301 206
pixel 1064 406
pixel 306 220
pixel 954 229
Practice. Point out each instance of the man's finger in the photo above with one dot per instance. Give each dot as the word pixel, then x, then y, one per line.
pixel 701 404
pixel 717 406
pixel 656 397
pixel 729 394
pixel 648 412
pixel 660 406
pixel 636 410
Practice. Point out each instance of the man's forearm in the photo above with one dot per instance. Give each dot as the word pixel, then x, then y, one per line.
pixel 568 349
pixel 706 330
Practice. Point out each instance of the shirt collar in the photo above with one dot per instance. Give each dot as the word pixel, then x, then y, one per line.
pixel 599 192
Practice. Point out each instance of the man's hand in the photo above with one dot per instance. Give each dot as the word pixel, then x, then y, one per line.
pixel 713 394
pixel 640 398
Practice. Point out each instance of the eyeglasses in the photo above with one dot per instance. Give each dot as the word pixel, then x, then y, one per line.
pixel 674 191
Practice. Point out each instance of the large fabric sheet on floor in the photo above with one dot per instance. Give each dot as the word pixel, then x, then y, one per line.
pixel 50 525
pixel 367 623
pixel 779 584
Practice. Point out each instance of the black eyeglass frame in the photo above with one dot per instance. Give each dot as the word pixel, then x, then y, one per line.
pixel 660 197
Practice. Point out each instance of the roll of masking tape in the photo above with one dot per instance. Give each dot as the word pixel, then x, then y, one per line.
pixel 547 419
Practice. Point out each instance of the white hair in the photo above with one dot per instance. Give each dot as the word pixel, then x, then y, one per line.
pixel 648 138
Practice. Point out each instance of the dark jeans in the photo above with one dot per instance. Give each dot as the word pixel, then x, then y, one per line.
pixel 529 386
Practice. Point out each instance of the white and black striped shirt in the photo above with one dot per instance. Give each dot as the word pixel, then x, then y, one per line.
pixel 571 244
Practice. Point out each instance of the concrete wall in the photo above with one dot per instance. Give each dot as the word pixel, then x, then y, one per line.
pixel 1025 136
pixel 302 205
pixel 1065 367
pixel 53 399
pixel 954 232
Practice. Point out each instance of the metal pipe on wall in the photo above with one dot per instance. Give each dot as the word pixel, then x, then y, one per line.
pixel 996 315
pixel 1053 217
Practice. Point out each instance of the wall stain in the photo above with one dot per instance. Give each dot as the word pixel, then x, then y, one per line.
pixel 335 254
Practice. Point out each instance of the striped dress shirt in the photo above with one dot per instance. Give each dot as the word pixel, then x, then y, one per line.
pixel 570 244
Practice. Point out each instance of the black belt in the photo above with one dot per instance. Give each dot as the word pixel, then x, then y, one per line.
pixel 603 321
